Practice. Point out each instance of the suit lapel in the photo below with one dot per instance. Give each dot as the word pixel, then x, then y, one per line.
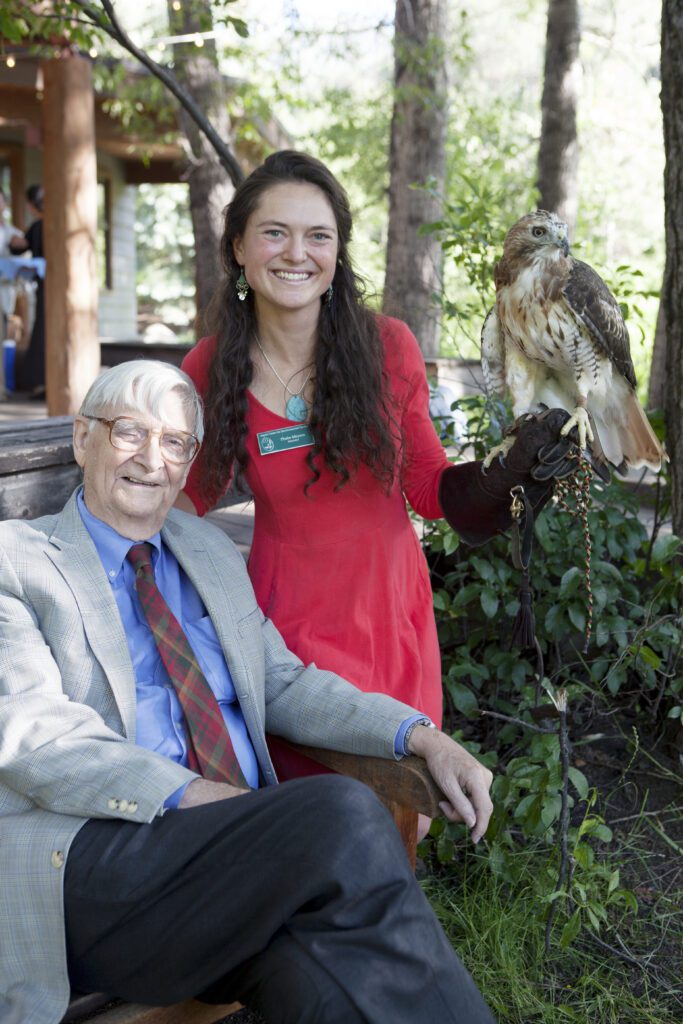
pixel 75 556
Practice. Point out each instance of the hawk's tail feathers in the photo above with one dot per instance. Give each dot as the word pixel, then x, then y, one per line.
pixel 640 443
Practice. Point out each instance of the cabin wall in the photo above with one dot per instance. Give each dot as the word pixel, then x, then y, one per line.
pixel 117 308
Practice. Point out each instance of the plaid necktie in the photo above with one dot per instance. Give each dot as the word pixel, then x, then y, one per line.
pixel 209 747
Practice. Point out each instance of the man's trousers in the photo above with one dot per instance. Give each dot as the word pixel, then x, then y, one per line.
pixel 297 900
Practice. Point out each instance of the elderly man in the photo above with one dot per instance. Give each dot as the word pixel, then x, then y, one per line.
pixel 145 848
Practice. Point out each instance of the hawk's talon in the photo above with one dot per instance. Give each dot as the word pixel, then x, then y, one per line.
pixel 581 421
pixel 499 450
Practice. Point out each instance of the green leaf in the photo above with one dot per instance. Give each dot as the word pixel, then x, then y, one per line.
pixel 580 782
pixel 483 568
pixel 553 620
pixel 463 698
pixel 584 856
pixel 240 27
pixel 649 656
pixel 571 581
pixel 675 712
pixel 571 929
pixel 664 548
pixel 577 616
pixel 629 899
pixel 489 603
pixel 451 542
pixel 602 832
pixel 613 881
pixel 550 810
pixel 593 919
pixel 525 805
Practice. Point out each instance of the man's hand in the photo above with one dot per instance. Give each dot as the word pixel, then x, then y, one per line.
pixel 463 779
pixel 201 791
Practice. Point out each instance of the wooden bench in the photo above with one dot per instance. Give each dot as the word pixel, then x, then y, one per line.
pixel 37 475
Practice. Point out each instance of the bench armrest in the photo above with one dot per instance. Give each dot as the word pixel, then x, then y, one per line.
pixel 406 783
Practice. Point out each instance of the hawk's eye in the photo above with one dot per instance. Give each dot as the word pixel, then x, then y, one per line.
pixel 538 232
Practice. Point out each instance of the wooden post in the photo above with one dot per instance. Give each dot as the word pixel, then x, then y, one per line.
pixel 70 221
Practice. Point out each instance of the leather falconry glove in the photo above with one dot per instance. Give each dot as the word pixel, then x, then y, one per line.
pixel 476 502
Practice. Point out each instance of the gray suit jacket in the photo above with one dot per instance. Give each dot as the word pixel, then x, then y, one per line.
pixel 67 721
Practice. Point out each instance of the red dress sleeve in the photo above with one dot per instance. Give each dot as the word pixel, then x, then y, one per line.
pixel 196 365
pixel 424 458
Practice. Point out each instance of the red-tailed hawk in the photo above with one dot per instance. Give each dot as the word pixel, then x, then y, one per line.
pixel 556 337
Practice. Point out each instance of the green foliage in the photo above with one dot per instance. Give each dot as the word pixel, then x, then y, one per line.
pixel 634 658
pixel 497 931
pixel 165 246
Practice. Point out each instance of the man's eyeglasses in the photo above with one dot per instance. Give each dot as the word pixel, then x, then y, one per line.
pixel 130 436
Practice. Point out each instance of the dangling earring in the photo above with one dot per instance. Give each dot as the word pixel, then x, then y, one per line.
pixel 242 286
pixel 328 294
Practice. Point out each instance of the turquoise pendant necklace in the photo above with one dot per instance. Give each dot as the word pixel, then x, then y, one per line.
pixel 295 406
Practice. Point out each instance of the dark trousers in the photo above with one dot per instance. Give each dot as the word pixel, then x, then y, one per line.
pixel 297 900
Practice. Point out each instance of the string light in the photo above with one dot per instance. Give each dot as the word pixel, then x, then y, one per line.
pixel 93 52
pixel 176 5
pixel 198 41
pixel 10 62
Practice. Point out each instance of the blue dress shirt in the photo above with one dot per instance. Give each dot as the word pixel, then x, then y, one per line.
pixel 160 723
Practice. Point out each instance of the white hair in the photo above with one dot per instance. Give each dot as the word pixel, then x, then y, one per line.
pixel 141 385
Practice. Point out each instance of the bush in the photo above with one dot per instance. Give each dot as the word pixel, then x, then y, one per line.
pixel 632 663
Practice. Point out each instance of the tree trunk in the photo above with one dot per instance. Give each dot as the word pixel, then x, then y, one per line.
pixel 196 68
pixel 417 155
pixel 72 350
pixel 656 393
pixel 558 155
pixel 672 296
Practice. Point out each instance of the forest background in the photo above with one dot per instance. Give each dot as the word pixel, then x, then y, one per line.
pixel 571 909
pixel 327 74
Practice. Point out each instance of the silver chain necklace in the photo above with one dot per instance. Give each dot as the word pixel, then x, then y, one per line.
pixel 295 406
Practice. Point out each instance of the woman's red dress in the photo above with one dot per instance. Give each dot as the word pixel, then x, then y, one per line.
pixel 341 573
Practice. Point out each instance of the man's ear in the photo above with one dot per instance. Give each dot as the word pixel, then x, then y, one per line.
pixel 81 436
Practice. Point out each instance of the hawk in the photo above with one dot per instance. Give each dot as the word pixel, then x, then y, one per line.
pixel 556 337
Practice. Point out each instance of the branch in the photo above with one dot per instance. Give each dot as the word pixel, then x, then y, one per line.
pixel 114 29
pixel 517 721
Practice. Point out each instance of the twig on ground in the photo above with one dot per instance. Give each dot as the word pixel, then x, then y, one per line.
pixel 667 839
pixel 648 814
pixel 622 953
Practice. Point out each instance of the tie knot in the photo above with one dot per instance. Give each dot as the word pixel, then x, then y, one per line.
pixel 140 555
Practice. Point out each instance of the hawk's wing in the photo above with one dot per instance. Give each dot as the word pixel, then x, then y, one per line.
pixel 592 302
pixel 493 354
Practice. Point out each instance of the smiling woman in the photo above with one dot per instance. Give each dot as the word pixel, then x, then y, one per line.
pixel 322 407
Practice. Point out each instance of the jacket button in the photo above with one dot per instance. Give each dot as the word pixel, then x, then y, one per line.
pixel 132 807
pixel 57 859
pixel 123 805
pixel 113 804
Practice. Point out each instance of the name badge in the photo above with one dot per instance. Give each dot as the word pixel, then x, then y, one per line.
pixel 297 436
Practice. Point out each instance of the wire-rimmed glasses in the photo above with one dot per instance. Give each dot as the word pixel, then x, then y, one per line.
pixel 128 435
